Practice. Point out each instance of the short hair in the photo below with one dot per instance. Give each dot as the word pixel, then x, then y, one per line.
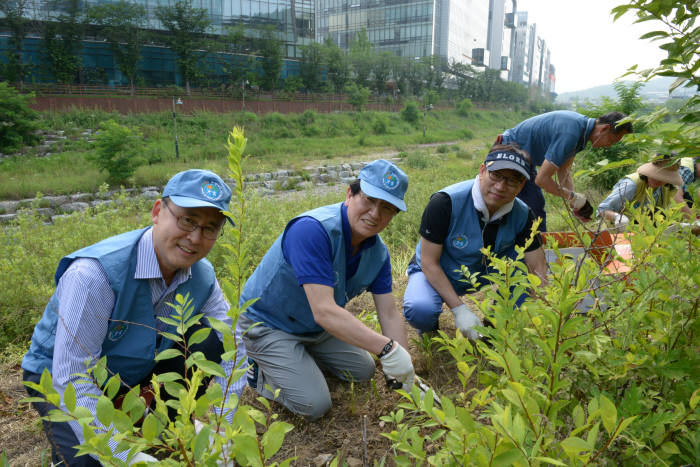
pixel 513 147
pixel 355 186
pixel 611 118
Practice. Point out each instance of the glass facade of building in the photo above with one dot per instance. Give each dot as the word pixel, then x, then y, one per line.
pixel 402 27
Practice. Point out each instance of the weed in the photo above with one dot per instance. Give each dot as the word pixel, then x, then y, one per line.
pixel 443 149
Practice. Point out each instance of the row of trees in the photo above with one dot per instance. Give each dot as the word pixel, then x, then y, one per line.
pixel 187 31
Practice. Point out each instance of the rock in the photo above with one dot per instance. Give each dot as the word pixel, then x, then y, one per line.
pixel 8 207
pixel 74 207
pixel 344 174
pixel 151 194
pixel 150 188
pixel 55 200
pixel 357 165
pixel 44 212
pixel 353 462
pixel 322 459
pixel 267 176
pixel 281 173
pixel 83 197
pixel 7 218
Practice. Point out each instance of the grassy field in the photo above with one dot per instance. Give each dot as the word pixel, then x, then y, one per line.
pixel 275 141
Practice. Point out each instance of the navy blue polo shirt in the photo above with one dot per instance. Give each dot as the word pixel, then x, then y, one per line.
pixel 307 248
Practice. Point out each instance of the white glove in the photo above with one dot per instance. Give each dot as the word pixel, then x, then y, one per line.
pixel 621 221
pixel 142 457
pixel 397 364
pixel 576 200
pixel 465 321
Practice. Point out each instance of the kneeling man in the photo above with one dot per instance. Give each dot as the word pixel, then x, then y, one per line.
pixel 458 222
pixel 323 259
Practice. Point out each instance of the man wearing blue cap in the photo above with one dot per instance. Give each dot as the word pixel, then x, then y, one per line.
pixel 552 140
pixel 457 223
pixel 110 295
pixel 323 259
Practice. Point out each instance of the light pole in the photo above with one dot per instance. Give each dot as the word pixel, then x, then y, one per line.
pixel 243 85
pixel 177 148
pixel 425 113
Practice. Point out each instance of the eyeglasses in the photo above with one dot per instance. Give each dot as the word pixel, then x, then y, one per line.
pixel 189 225
pixel 496 176
pixel 384 208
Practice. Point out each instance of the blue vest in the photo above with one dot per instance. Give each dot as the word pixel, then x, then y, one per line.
pixel 282 303
pixel 464 238
pixel 129 348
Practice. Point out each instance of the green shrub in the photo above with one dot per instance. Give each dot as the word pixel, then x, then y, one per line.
pixel 443 149
pixel 18 122
pixel 380 125
pixel 464 107
pixel 357 96
pixel 418 160
pixel 467 134
pixel 118 151
pixel 410 112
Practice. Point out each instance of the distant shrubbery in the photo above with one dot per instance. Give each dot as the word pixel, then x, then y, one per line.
pixel 18 122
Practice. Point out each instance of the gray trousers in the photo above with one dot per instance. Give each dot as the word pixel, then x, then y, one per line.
pixel 292 363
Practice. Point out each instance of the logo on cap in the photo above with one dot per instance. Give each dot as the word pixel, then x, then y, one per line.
pixel 211 190
pixel 460 241
pixel 390 180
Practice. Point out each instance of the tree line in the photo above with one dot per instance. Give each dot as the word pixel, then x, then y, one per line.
pixel 240 56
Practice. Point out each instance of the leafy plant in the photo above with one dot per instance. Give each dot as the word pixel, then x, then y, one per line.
pixel 410 112
pixel 612 385
pixel 18 122
pixel 357 96
pixel 464 107
pixel 118 151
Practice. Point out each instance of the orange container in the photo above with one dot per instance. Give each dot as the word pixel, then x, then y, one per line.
pixel 601 244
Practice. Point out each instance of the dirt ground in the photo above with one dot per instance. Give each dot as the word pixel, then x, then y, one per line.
pixel 351 429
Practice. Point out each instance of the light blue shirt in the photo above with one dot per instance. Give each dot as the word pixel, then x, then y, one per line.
pixel 86 301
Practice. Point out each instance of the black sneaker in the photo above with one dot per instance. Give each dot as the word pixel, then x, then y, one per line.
pixel 252 374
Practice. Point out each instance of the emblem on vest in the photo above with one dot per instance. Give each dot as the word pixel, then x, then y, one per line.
pixel 211 190
pixel 117 331
pixel 459 241
pixel 390 180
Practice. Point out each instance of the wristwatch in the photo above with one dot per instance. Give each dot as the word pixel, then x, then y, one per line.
pixel 387 348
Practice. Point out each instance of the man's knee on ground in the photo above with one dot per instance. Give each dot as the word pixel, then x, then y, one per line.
pixel 313 407
pixel 421 313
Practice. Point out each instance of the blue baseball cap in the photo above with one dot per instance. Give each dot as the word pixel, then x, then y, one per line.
pixel 198 188
pixel 383 180
pixel 507 159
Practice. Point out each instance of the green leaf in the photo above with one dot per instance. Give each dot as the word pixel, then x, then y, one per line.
pixel 573 445
pixel 669 447
pixel 201 441
pixel 105 410
pixel 507 458
pixel 169 353
pixel 549 460
pixel 168 377
pixel 211 368
pixel 199 336
pixel 69 398
pixel 608 414
pixel 150 427
pixel 578 416
pixel 274 437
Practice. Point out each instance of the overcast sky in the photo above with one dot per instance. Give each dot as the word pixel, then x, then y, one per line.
pixel 587 48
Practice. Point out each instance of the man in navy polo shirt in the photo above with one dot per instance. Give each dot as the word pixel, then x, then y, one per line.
pixel 323 259
pixel 110 295
pixel 552 140
pixel 458 222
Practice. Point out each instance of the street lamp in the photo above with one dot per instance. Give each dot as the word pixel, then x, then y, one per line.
pixel 244 83
pixel 177 148
pixel 425 113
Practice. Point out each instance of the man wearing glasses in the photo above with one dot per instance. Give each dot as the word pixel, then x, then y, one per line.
pixel 110 295
pixel 323 259
pixel 460 220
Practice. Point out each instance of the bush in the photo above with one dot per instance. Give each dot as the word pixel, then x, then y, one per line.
pixel 464 107
pixel 17 120
pixel 118 151
pixel 380 125
pixel 410 112
pixel 357 96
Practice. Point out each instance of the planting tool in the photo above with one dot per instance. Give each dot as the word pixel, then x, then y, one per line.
pixel 393 383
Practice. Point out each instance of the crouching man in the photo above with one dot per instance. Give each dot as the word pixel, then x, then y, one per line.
pixel 457 223
pixel 323 259
pixel 110 295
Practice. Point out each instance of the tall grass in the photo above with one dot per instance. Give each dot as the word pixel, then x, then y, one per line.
pixel 276 141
